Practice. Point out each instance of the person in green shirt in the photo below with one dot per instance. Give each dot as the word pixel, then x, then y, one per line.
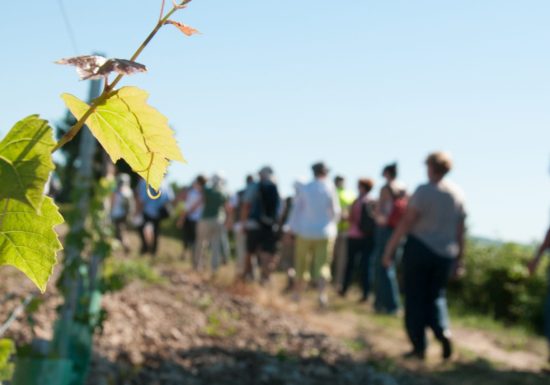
pixel 346 198
pixel 210 229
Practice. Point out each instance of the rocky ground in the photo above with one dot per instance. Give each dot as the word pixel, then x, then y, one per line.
pixel 188 332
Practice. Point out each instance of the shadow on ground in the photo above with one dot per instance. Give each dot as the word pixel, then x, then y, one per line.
pixel 218 366
pixel 484 372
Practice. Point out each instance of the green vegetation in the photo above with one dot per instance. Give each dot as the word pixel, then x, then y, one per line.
pixel 7 348
pixel 497 285
pixel 27 218
pixel 118 273
pixel 128 128
pixel 221 323
pixel 356 344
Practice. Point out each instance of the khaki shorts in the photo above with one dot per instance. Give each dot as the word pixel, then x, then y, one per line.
pixel 313 258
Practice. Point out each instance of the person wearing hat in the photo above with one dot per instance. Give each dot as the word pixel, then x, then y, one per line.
pixel 313 221
pixel 434 223
pixel 259 214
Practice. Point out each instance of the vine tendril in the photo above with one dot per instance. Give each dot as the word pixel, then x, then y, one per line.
pixel 148 186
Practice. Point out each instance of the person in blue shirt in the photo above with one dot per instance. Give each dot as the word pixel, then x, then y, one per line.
pixel 153 211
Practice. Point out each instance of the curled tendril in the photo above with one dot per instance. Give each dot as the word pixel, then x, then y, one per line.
pixel 151 191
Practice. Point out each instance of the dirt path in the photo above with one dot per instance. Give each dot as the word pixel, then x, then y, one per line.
pixel 386 336
pixel 489 356
pixel 483 345
pixel 186 331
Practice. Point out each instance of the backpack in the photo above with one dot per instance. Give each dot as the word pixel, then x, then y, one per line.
pixel 165 211
pixel 268 196
pixel 398 209
pixel 367 224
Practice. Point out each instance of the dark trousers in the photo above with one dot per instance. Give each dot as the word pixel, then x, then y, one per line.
pixel 155 222
pixel 189 233
pixel 426 275
pixel 119 225
pixel 386 288
pixel 359 248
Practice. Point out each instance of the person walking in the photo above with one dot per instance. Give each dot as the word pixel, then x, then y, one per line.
pixel 211 225
pixel 122 208
pixel 287 245
pixel 339 256
pixel 237 203
pixel 260 214
pixel 390 209
pixel 545 246
pixel 313 221
pixel 153 206
pixel 191 214
pixel 434 222
pixel 228 222
pixel 360 239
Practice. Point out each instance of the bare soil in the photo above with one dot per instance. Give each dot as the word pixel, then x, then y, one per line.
pixel 193 330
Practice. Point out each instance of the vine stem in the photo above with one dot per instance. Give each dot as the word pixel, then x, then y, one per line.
pixel 161 10
pixel 15 313
pixel 107 90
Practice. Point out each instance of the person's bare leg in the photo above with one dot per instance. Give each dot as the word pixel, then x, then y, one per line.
pixel 124 238
pixel 269 263
pixel 323 296
pixel 263 259
pixel 298 289
pixel 247 266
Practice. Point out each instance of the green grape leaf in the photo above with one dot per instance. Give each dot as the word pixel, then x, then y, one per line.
pixel 26 161
pixel 128 128
pixel 7 348
pixel 28 240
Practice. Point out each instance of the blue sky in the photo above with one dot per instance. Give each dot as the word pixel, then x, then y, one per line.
pixel 356 83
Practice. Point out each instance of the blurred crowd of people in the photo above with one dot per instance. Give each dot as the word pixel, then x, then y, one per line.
pixel 324 233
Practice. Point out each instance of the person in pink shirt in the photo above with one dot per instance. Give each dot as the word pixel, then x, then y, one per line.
pixel 360 239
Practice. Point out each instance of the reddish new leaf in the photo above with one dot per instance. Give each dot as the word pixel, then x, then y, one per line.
pixel 189 31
